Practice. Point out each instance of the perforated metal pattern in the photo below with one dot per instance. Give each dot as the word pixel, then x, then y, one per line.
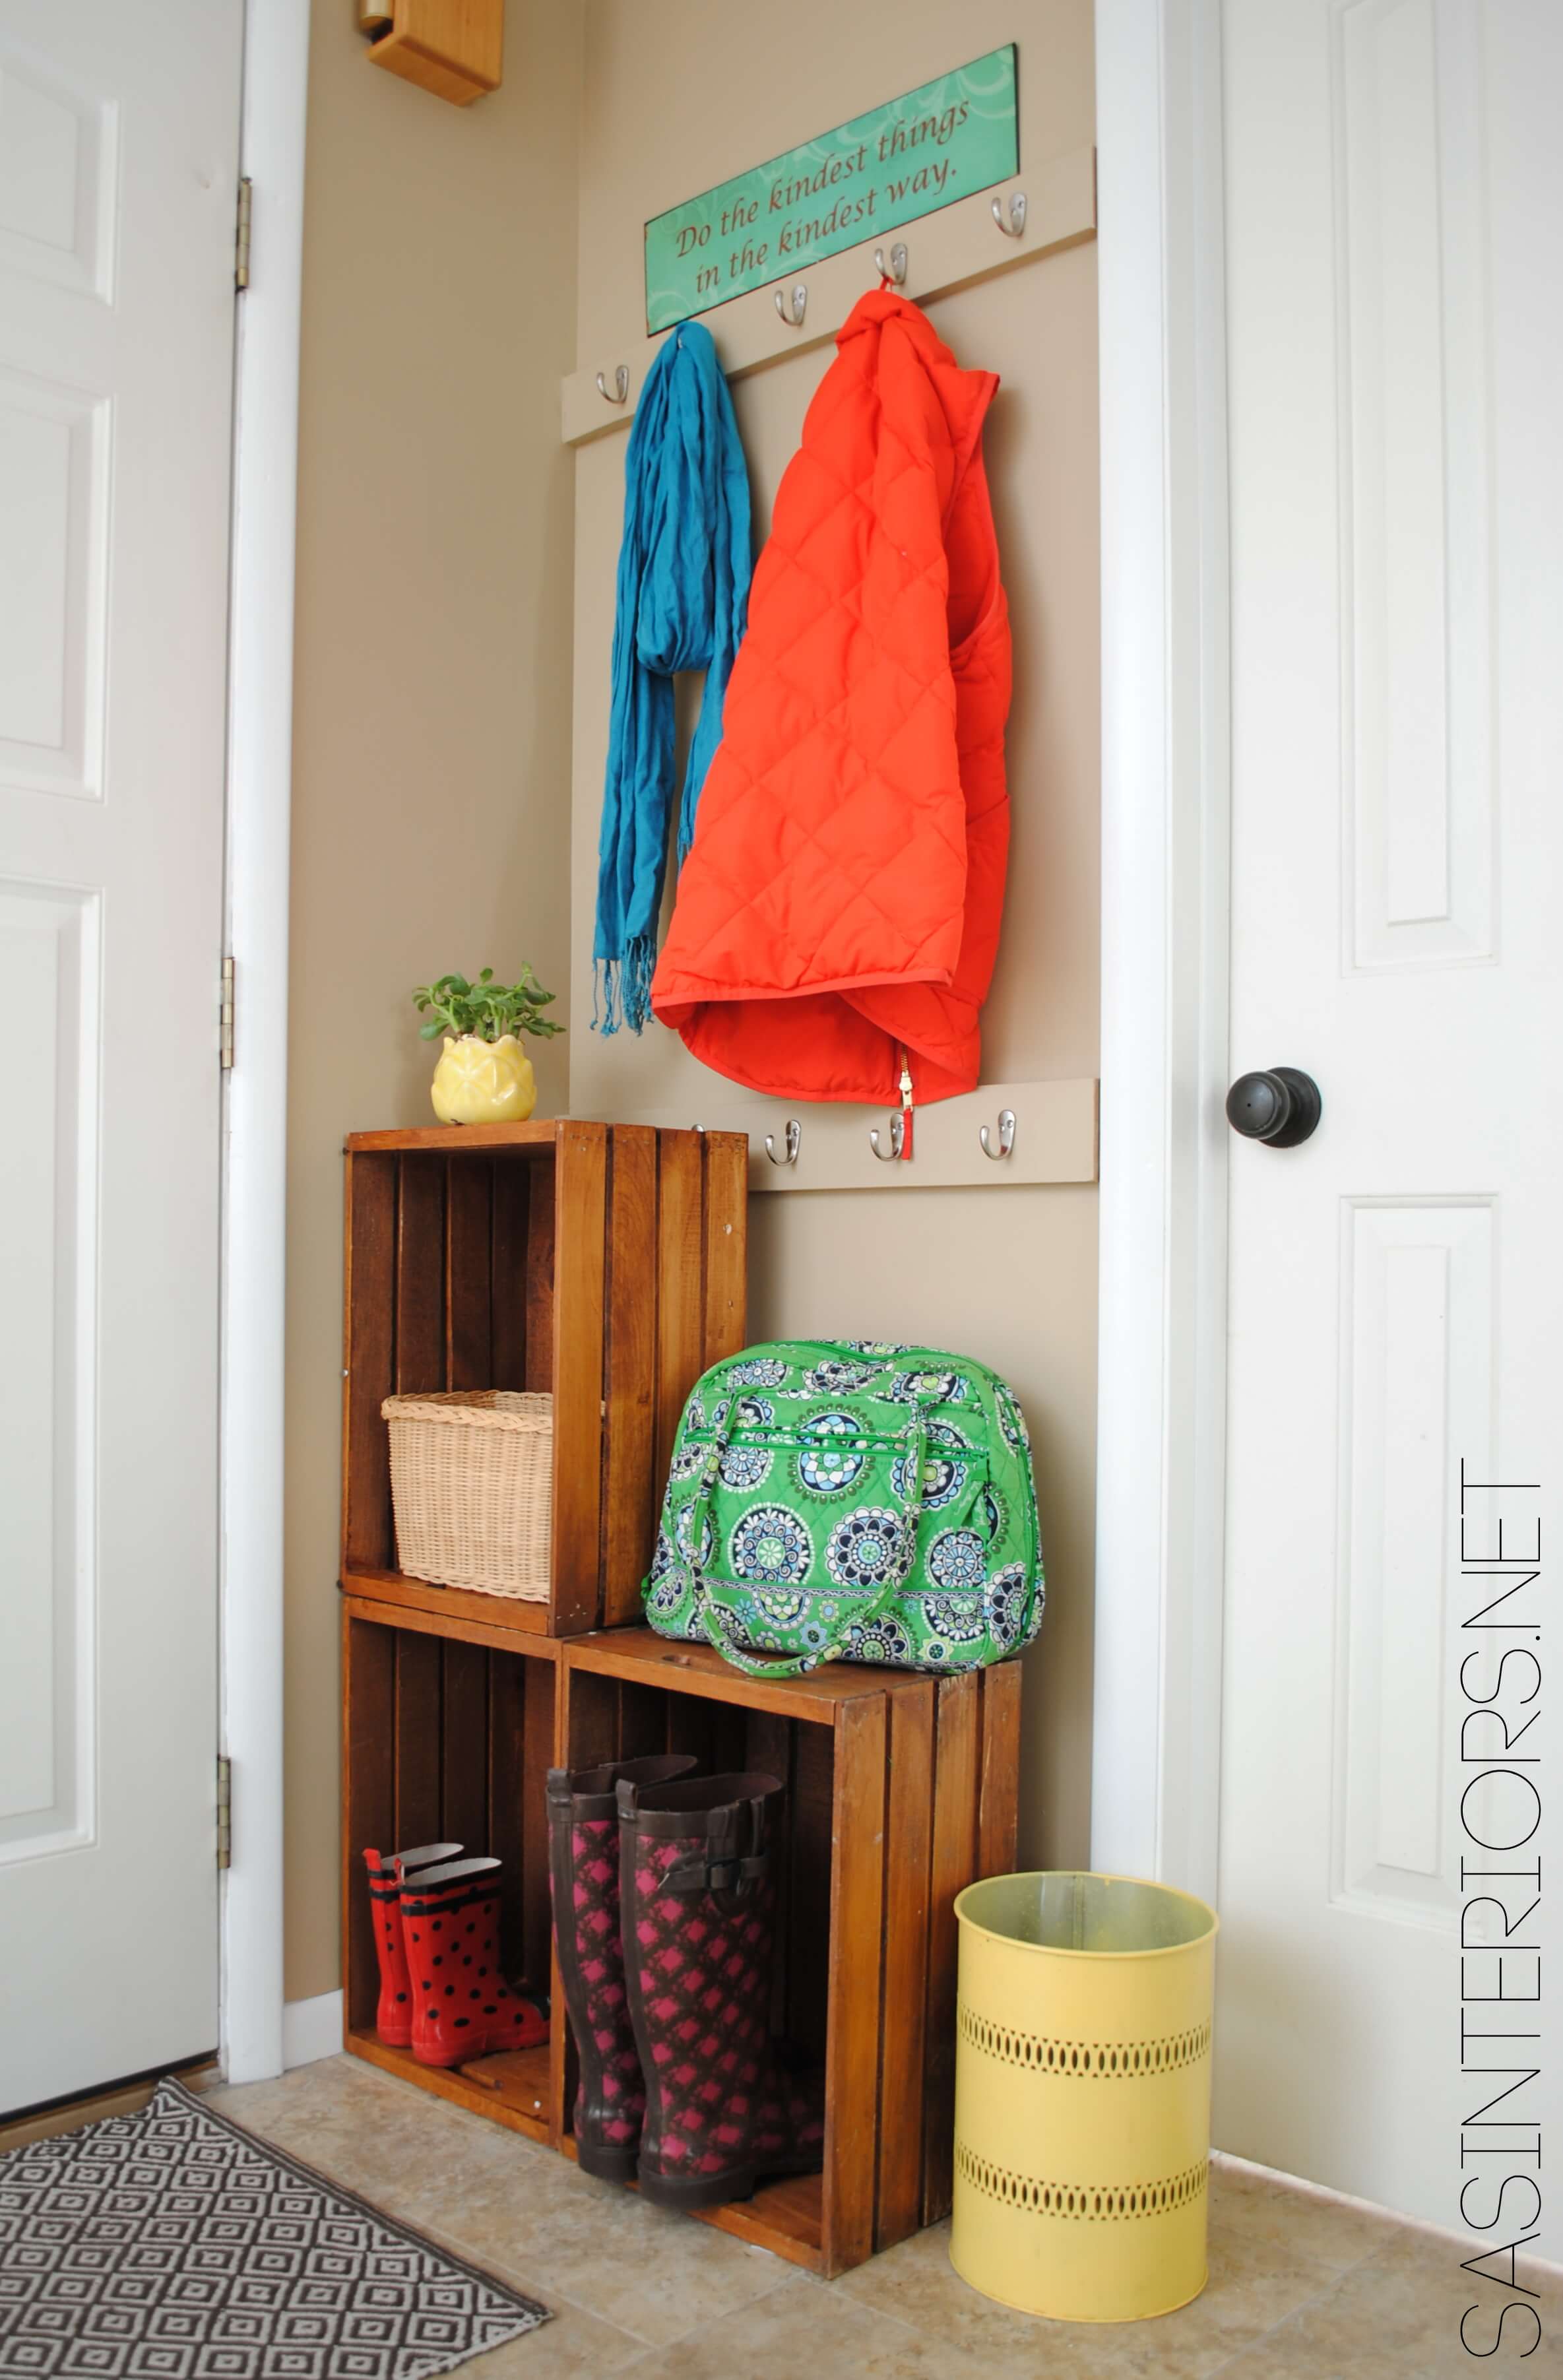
pixel 1107 2061
pixel 1078 2202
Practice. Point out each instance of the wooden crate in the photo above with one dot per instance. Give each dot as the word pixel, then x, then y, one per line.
pixel 604 1263
pixel 448 1730
pixel 901 1790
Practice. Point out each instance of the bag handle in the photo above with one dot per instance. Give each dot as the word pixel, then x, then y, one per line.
pixel 795 1665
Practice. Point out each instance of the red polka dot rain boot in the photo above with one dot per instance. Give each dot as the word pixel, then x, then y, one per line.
pixel 393 2019
pixel 462 2006
pixel 699 1911
pixel 582 1833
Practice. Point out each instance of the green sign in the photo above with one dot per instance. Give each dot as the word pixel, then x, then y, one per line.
pixel 921 153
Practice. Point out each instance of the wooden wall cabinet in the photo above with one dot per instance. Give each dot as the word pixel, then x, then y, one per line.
pixel 604 1263
pixel 454 48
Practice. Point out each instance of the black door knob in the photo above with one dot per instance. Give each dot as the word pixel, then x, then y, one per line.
pixel 1281 1105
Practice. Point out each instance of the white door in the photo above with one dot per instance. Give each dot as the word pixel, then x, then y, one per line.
pixel 1394 222
pixel 118 150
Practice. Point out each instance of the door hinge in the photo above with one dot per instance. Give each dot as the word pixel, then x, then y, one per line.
pixel 225 1811
pixel 241 233
pixel 226 1018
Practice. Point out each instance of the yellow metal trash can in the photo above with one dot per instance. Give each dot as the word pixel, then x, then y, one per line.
pixel 1082 2094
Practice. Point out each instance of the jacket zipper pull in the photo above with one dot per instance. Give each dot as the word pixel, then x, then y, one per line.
pixel 905 1107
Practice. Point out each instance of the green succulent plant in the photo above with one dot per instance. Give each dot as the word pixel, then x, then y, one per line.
pixel 486 1009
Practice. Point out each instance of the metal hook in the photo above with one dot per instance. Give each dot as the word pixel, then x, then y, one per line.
pixel 1012 224
pixel 1006 1135
pixel 896 269
pixel 898 1136
pixel 798 298
pixel 792 1136
pixel 619 393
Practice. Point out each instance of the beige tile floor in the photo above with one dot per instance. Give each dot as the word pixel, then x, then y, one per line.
pixel 1300 2289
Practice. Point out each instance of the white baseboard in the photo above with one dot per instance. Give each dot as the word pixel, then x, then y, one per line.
pixel 312 2028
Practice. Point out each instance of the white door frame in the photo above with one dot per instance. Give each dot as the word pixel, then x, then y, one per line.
pixel 276 47
pixel 1161 1423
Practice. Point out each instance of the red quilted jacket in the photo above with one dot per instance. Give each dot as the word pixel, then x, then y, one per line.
pixel 838 916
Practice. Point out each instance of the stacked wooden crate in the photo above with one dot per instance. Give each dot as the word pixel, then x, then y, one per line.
pixel 606 1264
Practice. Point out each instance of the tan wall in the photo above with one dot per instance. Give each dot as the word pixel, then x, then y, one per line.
pixel 678 97
pixel 432 730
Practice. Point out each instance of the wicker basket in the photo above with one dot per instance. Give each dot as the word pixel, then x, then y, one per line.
pixel 472 1489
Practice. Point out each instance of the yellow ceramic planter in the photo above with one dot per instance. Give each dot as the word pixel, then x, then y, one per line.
pixel 483 1082
pixel 1082 2094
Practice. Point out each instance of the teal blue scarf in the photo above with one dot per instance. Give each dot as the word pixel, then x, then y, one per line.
pixel 682 594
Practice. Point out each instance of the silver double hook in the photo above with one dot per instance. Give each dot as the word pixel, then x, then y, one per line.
pixel 1011 222
pixel 619 393
pixel 1006 1135
pixel 896 269
pixel 897 1137
pixel 795 300
pixel 791 1139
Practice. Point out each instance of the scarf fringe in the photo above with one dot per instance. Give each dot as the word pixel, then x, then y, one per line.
pixel 621 989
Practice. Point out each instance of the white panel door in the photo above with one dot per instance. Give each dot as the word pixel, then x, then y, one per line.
pixel 1394 222
pixel 119 157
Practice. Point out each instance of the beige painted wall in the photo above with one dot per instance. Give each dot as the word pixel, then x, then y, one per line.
pixel 431 741
pixel 677 97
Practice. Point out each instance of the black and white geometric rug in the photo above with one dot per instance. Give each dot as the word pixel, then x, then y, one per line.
pixel 170 2245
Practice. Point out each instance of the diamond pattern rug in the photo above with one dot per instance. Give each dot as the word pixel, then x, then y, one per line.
pixel 170 2245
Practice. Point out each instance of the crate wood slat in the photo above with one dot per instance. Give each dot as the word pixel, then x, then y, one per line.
pixel 521 2105
pixel 681 1342
pixel 539 1688
pixel 641 1653
pixel 369 1813
pixel 909 1828
pixel 506 1612
pixel 601 1265
pixel 450 1139
pixel 581 1195
pixel 505 1792
pixel 727 1184
pixel 999 1801
pixel 447 1622
pixel 511 1198
pixel 630 1486
pixel 464 1809
pixel 852 2049
pixel 469 1355
pixel 957 1758
pixel 420 1278
pixel 419 1742
pixel 807 1849
pixel 541 1248
pixel 369 1373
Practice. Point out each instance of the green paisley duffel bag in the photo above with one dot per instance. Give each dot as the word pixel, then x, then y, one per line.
pixel 849 1501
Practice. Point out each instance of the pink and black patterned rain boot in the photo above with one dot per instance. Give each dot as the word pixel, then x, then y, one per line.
pixel 462 2006
pixel 583 1838
pixel 698 1903
pixel 392 2018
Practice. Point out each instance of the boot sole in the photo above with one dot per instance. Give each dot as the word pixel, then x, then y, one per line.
pixel 607 2163
pixel 687 2191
